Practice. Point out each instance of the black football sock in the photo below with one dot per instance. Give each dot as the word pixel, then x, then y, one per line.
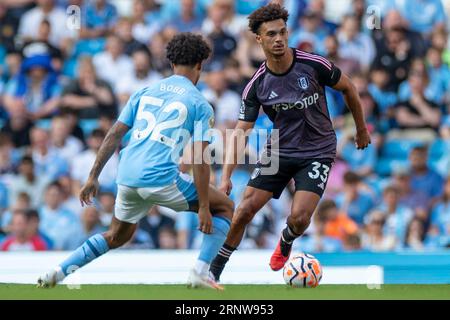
pixel 287 238
pixel 219 262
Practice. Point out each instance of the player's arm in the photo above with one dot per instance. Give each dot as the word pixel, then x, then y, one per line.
pixel 107 149
pixel 248 114
pixel 202 172
pixel 353 102
pixel 235 143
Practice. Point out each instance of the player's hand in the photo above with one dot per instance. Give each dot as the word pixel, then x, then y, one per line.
pixel 88 192
pixel 362 139
pixel 226 186
pixel 205 220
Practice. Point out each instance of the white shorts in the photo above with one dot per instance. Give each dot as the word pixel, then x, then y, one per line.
pixel 132 204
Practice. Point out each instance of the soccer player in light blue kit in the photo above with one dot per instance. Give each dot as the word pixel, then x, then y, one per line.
pixel 162 118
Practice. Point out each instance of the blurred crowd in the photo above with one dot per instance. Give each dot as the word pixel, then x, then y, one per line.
pixel 67 67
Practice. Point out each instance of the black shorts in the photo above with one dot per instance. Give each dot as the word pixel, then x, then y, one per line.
pixel 308 174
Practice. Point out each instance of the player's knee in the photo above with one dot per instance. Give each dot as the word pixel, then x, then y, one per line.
pixel 244 214
pixel 300 220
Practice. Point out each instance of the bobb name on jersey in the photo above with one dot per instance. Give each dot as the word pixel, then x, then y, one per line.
pixel 300 104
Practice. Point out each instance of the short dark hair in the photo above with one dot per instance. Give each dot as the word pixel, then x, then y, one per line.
pixel 187 49
pixel 264 14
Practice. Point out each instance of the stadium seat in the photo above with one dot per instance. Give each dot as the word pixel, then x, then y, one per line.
pixel 89 47
pixel 398 149
pixel 385 166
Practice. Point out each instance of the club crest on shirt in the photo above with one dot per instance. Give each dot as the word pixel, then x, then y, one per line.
pixel 303 82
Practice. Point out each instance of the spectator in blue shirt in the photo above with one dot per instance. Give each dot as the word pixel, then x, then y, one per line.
pixel 98 19
pixel 423 178
pixel 61 225
pixel 188 20
pixel 423 15
pixel 378 88
pixel 35 90
pixel 353 200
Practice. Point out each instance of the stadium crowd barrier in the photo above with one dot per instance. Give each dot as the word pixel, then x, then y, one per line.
pixel 245 267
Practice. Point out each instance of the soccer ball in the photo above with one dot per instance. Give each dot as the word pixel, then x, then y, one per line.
pixel 302 271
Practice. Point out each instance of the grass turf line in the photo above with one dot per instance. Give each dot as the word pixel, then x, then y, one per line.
pixel 232 292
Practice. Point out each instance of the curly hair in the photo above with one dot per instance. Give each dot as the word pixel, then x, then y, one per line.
pixel 267 13
pixel 187 49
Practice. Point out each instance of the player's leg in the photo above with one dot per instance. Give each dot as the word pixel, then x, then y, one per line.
pixel 303 207
pixel 310 182
pixel 254 199
pixel 128 211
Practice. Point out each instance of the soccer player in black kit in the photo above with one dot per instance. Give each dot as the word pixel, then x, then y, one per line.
pixel 290 87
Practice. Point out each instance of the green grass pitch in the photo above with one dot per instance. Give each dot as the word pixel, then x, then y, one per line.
pixel 231 292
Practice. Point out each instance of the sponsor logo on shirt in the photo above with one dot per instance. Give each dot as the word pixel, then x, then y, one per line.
pixel 300 104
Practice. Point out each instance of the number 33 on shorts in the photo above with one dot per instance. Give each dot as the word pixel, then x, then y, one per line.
pixel 319 170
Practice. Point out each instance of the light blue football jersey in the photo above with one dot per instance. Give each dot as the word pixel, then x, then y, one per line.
pixel 162 117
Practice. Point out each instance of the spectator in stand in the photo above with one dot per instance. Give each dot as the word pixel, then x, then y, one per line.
pixel 23 202
pixel 18 128
pixel 353 43
pixel 436 82
pixel 61 225
pixel 439 41
pixel 424 178
pixel 28 182
pixel 159 61
pixel 112 64
pixel 338 224
pixel 153 225
pixel 354 200
pixel 396 216
pixel 417 112
pixel 90 223
pixel 21 237
pixel 45 9
pixel 415 235
pixel 47 161
pixel 88 96
pixel 440 217
pixel 144 29
pixel 61 141
pixel 124 29
pixel 35 90
pixel 223 43
pixel 439 75
pixel 70 200
pixel 8 156
pixel 100 17
pixel 319 241
pixel 82 164
pixel 378 88
pixel 8 26
pixel 41 45
pixel 107 202
pixel 226 102
pixel 362 162
pixel 416 200
pixel 187 20
pixel 142 76
pixel 232 24
pixel 347 66
pixel 373 238
pixel 310 29
pixel 249 55
pixel 423 16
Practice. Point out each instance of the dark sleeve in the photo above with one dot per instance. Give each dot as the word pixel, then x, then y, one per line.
pixel 250 104
pixel 329 75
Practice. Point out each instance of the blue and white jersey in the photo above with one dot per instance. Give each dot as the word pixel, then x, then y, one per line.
pixel 163 117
